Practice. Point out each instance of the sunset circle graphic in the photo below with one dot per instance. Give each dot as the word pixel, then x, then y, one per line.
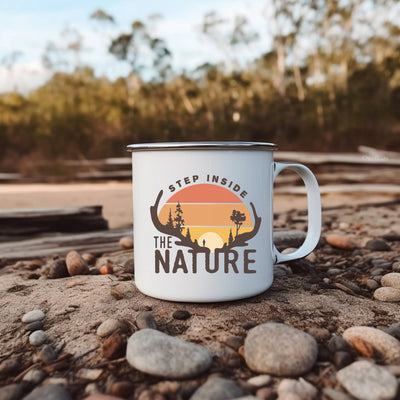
pixel 209 215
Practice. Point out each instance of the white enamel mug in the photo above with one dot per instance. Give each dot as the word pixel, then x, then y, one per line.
pixel 203 219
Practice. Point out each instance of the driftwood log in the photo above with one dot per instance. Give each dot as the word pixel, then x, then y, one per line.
pixel 98 242
pixel 19 223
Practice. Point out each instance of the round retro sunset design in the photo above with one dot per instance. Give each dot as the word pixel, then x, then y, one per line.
pixel 206 216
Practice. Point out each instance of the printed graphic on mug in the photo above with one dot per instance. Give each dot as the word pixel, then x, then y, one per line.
pixel 204 219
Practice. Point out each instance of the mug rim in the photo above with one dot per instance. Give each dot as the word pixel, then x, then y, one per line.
pixel 209 145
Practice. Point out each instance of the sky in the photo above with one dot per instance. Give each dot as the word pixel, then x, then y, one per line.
pixel 27 26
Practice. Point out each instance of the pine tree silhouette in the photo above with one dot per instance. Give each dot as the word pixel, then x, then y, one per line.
pixel 179 221
pixel 170 222
pixel 188 234
pixel 230 237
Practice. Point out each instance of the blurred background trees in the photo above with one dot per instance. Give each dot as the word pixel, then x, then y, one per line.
pixel 330 81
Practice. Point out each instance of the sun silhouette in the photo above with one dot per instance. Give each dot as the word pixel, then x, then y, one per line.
pixel 211 240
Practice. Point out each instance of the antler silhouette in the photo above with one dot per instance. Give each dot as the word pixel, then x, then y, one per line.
pixel 242 239
pixel 171 231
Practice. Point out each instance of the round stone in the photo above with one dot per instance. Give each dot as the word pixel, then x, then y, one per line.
pixel 378 245
pixel 49 392
pixel 76 265
pixel 37 338
pixel 279 349
pixel 126 243
pixel 217 388
pixel 387 294
pixel 109 326
pixel 260 380
pixel 181 315
pixel 32 316
pixel 396 266
pixel 371 284
pixel 372 342
pixel 145 320
pixel 301 388
pixel 341 241
pixel 57 269
pixel 368 381
pixel 156 353
pixel 48 354
pixel 392 280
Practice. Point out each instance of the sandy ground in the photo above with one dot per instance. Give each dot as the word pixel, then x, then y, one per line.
pixel 116 198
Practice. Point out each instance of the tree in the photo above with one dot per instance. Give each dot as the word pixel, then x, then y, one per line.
pixel 170 222
pixel 230 240
pixel 179 221
pixel 238 217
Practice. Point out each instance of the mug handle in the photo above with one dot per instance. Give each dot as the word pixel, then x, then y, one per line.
pixel 314 211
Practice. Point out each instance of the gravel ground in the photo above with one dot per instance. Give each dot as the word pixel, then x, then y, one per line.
pixel 322 331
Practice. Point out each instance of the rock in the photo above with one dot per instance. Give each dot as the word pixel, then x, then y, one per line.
pixel 367 381
pixel 341 359
pixel 126 243
pixel 114 346
pixel 319 334
pixel 260 380
pixel 282 270
pixel 50 392
pixel 181 315
pixel 32 316
pixel 37 338
pixel 337 343
pixel 57 269
pixel 394 330
pixel 89 258
pixel 341 241
pixel 301 388
pixel 392 280
pixel 121 389
pixel 217 389
pixel 311 257
pixel 102 397
pixel 396 266
pixel 76 265
pixel 34 326
pixel 333 394
pixel 10 366
pixel 371 284
pixel 234 342
pixel 91 374
pixel 266 393
pixel 156 353
pixel 145 320
pixel 12 392
pixel 106 269
pixel 34 376
pixel 291 238
pixel 378 245
pixel 387 294
pixel 109 326
pixel 372 342
pixel 48 354
pixel 279 349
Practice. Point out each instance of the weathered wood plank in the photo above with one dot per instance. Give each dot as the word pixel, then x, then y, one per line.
pixel 97 242
pixel 67 219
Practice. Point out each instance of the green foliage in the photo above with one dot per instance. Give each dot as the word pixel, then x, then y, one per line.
pixel 341 93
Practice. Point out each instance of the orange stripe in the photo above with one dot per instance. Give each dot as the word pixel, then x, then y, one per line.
pixel 204 193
